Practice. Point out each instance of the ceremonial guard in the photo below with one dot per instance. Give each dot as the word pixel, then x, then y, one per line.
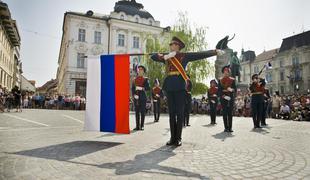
pixel 265 108
pixel 139 86
pixel 188 103
pixel 257 89
pixel 213 100
pixel 227 91
pixel 176 83
pixel 157 93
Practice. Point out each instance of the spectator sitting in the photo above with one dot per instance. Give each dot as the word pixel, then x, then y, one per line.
pixel 284 111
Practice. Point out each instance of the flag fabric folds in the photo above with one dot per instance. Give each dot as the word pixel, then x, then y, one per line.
pixel 107 99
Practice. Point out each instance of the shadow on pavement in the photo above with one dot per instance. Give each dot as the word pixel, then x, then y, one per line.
pixel 67 151
pixel 209 125
pixel 260 131
pixel 148 163
pixel 223 135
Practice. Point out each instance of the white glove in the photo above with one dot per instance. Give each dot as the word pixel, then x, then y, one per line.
pixel 136 96
pixel 170 55
pixel 213 101
pixel 220 52
pixel 214 95
pixel 227 98
pixel 154 100
pixel 157 95
pixel 230 89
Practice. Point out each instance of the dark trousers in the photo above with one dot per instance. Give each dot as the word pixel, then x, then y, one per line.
pixel 156 106
pixel 265 105
pixel 187 110
pixel 257 105
pixel 227 113
pixel 213 112
pixel 140 113
pixel 176 102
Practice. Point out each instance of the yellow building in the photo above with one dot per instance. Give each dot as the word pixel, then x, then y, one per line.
pixel 10 66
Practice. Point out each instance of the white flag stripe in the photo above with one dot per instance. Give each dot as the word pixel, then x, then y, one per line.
pixel 27 120
pixel 92 115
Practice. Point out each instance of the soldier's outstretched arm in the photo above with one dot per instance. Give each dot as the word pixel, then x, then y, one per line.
pixel 158 58
pixel 194 56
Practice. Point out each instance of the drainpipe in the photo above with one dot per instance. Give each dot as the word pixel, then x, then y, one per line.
pixel 109 34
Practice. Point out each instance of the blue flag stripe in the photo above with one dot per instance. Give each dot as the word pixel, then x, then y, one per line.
pixel 107 98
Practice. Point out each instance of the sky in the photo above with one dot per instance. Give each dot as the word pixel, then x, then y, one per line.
pixel 258 24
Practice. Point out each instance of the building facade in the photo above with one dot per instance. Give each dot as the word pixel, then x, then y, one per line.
pixel 125 30
pixel 10 65
pixel 290 72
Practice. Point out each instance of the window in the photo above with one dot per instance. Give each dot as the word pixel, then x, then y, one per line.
pixel 150 22
pixel 295 61
pixel 281 63
pixel 269 77
pixel 121 40
pixel 282 89
pixel 97 37
pixel 281 75
pixel 256 69
pixel 82 33
pixel 244 76
pixel 137 20
pixel 122 17
pixel 297 74
pixel 80 60
pixel 135 42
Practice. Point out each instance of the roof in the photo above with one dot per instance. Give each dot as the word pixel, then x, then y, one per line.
pixel 48 85
pixel 9 24
pixel 267 55
pixel 93 15
pixel 299 40
pixel 248 56
pixel 131 8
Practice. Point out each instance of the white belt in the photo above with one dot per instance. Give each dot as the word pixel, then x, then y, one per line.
pixel 138 88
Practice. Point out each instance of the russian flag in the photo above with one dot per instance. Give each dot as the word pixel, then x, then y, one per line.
pixel 107 95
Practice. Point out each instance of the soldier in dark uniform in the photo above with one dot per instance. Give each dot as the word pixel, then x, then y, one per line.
pixel 139 86
pixel 266 102
pixel 227 91
pixel 257 89
pixel 176 82
pixel 157 93
pixel 188 104
pixel 213 100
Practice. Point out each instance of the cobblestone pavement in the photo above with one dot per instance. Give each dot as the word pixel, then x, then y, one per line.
pixel 47 144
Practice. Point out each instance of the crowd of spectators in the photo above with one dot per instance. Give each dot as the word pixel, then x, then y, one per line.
pixel 16 99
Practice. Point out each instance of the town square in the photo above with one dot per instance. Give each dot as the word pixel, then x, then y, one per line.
pixel 136 89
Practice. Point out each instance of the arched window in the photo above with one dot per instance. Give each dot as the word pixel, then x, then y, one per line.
pixel 122 17
pixel 150 22
pixel 137 20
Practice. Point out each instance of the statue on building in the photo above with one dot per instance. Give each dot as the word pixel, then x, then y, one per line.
pixel 235 66
pixel 229 58
pixel 222 44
